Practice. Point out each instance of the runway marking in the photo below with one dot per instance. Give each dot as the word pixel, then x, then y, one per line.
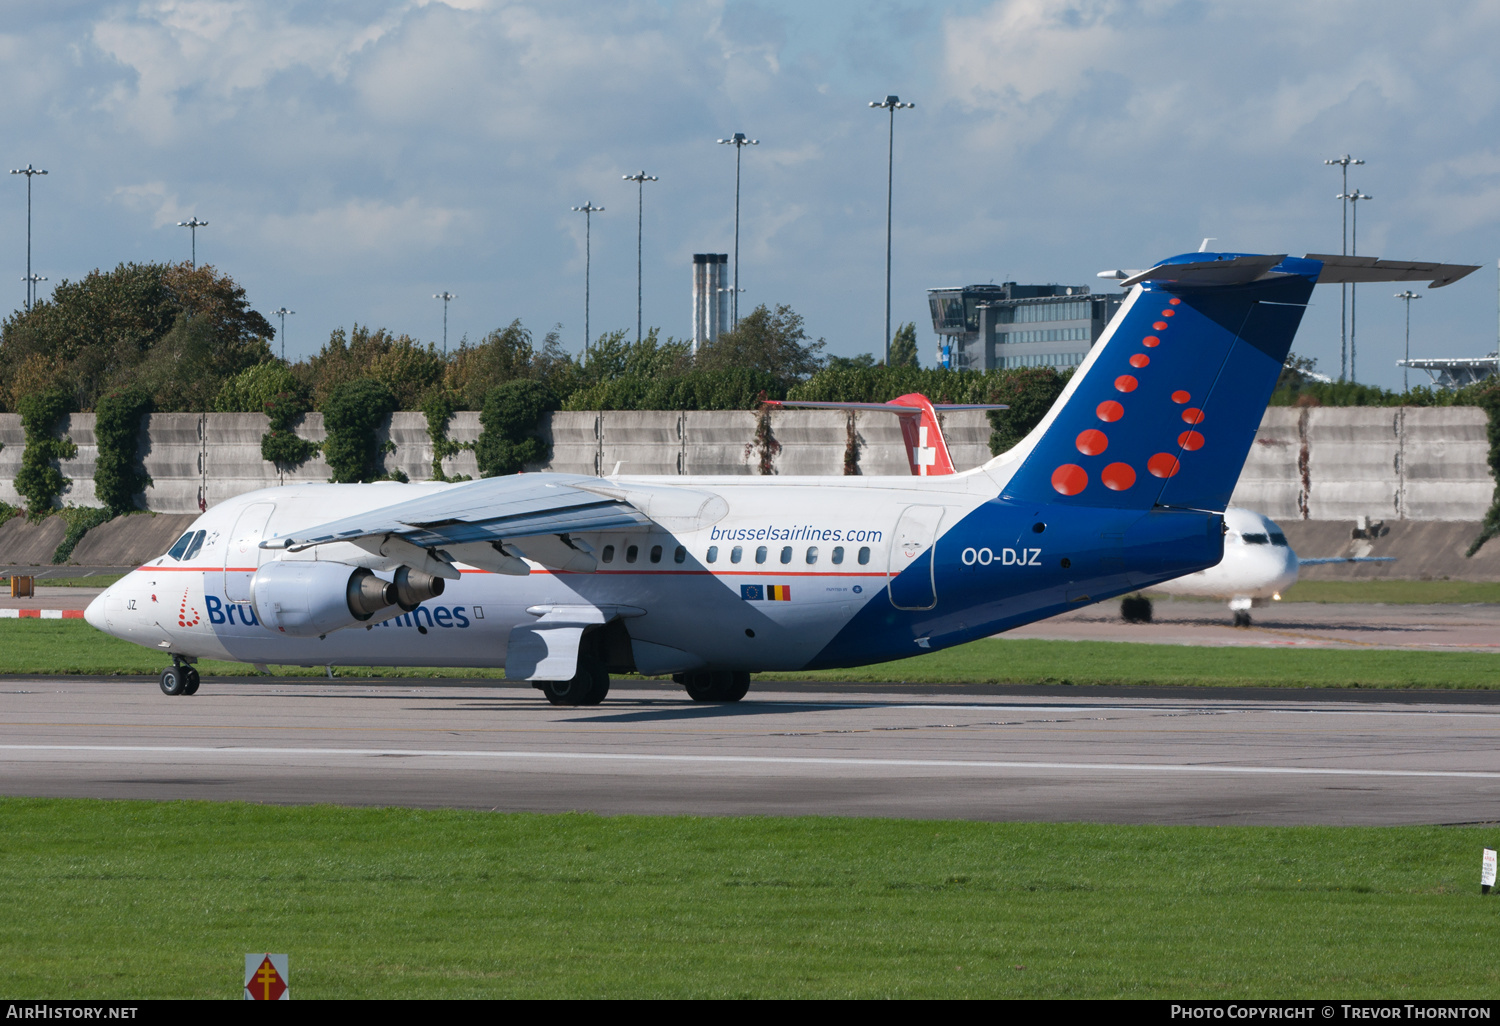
pixel 778 760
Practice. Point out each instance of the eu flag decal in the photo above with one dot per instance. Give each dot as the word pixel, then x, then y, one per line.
pixel 752 593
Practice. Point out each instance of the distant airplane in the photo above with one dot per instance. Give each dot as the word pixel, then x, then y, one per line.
pixel 564 579
pixel 1258 565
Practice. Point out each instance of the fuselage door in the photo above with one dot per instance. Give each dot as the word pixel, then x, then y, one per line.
pixel 242 557
pixel 911 582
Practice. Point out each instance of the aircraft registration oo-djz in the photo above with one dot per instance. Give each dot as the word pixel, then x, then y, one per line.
pixel 563 579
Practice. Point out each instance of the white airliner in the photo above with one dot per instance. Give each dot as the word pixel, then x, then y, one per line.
pixel 563 579
pixel 1258 565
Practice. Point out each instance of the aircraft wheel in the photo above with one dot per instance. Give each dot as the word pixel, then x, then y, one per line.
pixel 716 686
pixel 191 687
pixel 174 680
pixel 1135 609
pixel 1241 618
pixel 579 689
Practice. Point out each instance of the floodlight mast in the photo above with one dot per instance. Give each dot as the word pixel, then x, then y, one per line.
pixel 588 210
pixel 640 178
pixel 31 280
pixel 446 297
pixel 1408 296
pixel 892 104
pixel 1343 163
pixel 739 141
pixel 282 313
pixel 193 225
pixel 30 173
pixel 1353 198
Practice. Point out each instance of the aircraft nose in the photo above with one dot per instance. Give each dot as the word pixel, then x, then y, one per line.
pixel 94 614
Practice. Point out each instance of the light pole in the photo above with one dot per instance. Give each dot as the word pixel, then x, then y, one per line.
pixel 446 297
pixel 31 280
pixel 1408 295
pixel 193 226
pixel 30 173
pixel 892 104
pixel 588 210
pixel 282 314
pixel 1353 198
pixel 739 142
pixel 640 178
pixel 1344 162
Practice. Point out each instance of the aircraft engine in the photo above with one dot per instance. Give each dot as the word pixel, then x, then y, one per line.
pixel 413 587
pixel 310 598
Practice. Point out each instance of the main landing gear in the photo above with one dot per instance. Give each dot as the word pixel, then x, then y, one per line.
pixel 715 686
pixel 179 679
pixel 587 687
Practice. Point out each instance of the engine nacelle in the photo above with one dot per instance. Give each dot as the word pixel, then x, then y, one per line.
pixel 309 598
pixel 413 587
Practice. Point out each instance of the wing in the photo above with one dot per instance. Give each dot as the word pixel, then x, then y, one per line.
pixel 491 522
pixel 1325 560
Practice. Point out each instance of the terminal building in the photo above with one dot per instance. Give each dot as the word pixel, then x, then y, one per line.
pixel 988 327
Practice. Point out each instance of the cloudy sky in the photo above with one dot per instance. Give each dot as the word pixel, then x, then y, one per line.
pixel 353 158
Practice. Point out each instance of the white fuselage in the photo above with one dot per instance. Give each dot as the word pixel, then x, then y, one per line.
pixel 1258 563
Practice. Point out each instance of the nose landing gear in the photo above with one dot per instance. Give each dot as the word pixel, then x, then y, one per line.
pixel 179 679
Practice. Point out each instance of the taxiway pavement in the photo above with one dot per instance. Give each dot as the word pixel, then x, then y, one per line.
pixel 1124 755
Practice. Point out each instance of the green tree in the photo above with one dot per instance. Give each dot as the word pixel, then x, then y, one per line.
pixel 904 346
pixel 97 333
pixel 773 342
pixel 505 354
pixel 118 473
pixel 250 390
pixel 353 413
pixel 510 418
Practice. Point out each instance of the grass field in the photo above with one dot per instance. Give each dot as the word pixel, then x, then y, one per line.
pixel 133 899
pixel 1401 593
pixel 71 646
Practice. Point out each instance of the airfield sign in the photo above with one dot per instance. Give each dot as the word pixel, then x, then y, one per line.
pixel 266 978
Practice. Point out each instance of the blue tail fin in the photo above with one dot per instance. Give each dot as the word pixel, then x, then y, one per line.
pixel 1164 410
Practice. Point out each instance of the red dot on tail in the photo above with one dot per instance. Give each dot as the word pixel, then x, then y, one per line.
pixel 1092 442
pixel 1190 440
pixel 1180 396
pixel 1139 360
pixel 1150 341
pixel 1163 464
pixel 1169 313
pixel 1159 325
pixel 1126 383
pixel 1193 415
pixel 1118 476
pixel 1070 479
pixel 1110 411
pixel 1174 302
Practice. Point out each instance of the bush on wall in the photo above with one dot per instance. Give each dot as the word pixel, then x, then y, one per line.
pixel 39 479
pixel 280 445
pixel 438 406
pixel 118 474
pixel 353 412
pixel 510 418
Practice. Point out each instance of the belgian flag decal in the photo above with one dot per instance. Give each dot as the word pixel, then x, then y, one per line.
pixel 779 592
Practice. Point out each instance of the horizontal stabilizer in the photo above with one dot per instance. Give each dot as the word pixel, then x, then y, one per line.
pixel 909 411
pixel 1229 270
pixel 1358 270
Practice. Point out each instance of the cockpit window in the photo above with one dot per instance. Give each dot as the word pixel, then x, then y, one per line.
pixel 1257 539
pixel 196 545
pixel 179 551
pixel 1277 538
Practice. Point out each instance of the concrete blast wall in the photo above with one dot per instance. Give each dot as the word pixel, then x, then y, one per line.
pixel 1306 464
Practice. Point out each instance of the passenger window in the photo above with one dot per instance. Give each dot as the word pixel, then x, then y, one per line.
pixel 812 554
pixel 713 554
pixel 864 554
pixel 179 550
pixel 656 553
pixel 196 545
pixel 760 553
pixel 609 553
pixel 786 553
pixel 631 552
pixel 679 555
pixel 838 554
pixel 735 553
